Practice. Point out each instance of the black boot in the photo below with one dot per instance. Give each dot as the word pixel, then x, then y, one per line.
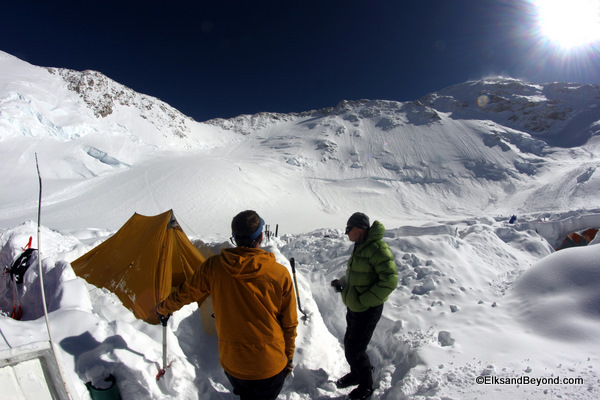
pixel 360 393
pixel 347 381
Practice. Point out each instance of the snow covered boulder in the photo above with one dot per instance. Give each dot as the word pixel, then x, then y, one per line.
pixel 559 296
pixel 445 338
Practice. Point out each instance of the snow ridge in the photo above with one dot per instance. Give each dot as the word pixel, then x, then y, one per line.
pixel 104 95
pixel 545 110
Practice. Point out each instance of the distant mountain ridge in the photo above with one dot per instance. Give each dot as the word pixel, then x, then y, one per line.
pixel 546 111
pixel 102 95
pixel 484 147
pixel 549 109
pixel 46 94
pixel 537 109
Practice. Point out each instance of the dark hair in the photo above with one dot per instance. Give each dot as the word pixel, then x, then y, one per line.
pixel 246 228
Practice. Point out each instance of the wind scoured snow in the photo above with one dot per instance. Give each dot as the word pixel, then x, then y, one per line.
pixel 501 294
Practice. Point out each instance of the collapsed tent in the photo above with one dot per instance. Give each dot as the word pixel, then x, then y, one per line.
pixel 578 239
pixel 142 262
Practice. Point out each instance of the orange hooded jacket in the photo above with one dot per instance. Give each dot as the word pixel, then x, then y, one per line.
pixel 254 306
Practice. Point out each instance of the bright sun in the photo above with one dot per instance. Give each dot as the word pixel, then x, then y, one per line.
pixel 569 23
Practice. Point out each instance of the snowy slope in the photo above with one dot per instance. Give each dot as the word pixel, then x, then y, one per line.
pixel 100 142
pixel 475 299
pixel 477 296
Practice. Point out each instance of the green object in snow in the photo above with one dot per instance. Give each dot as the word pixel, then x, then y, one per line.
pixel 110 393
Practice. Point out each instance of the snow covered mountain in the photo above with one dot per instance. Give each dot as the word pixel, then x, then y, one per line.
pixel 562 114
pixel 478 298
pixel 479 148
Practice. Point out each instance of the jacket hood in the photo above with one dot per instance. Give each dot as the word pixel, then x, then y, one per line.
pixel 376 232
pixel 245 262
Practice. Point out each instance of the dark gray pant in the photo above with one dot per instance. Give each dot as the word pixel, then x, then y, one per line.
pixel 261 389
pixel 359 330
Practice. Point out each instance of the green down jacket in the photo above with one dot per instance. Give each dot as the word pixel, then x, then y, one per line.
pixel 372 273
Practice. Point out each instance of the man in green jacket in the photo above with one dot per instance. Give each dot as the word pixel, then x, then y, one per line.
pixel 370 278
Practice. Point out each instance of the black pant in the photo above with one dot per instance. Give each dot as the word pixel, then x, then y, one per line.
pixel 260 389
pixel 359 330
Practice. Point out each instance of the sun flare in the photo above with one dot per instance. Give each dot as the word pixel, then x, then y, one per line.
pixel 569 24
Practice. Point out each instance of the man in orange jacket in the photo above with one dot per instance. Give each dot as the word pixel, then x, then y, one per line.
pixel 254 307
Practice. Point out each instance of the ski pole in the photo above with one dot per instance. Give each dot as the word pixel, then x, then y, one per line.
pixel 163 370
pixel 293 264
pixel 164 357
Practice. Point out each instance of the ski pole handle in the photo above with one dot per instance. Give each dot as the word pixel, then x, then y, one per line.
pixel 293 264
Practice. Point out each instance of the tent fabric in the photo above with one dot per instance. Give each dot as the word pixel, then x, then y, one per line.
pixel 579 239
pixel 142 262
pixel 590 234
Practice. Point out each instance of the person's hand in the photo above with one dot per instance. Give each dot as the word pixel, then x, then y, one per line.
pixel 337 285
pixel 162 318
pixel 288 368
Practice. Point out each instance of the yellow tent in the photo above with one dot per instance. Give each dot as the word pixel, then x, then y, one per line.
pixel 142 262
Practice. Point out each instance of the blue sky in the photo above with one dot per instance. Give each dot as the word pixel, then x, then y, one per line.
pixel 213 59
